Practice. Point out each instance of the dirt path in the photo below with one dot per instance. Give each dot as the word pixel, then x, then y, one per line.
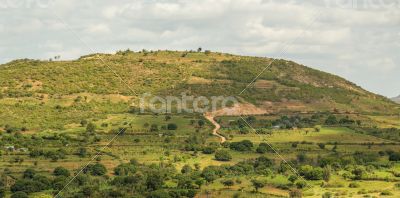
pixel 217 127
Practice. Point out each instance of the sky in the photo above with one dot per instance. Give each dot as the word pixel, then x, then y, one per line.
pixel 356 39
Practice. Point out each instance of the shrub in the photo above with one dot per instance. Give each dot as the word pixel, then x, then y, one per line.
pixel 172 126
pixel 208 150
pixel 61 171
pixel 29 173
pixel 263 148
pixel 301 184
pixel 90 128
pixel 394 157
pixel 186 169
pixel 96 169
pixel 386 193
pixel 223 156
pixel 257 184
pixel 125 169
pixel 311 173
pixel 228 182
pixel 245 145
pixel 327 195
pixel 354 185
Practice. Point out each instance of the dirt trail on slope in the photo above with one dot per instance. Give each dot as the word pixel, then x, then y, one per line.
pixel 210 117
pixel 238 109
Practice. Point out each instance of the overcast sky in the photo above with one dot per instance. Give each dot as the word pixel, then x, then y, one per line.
pixel 358 40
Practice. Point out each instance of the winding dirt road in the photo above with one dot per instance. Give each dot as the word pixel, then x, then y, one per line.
pixel 217 127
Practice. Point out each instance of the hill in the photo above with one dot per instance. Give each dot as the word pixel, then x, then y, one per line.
pixel 396 99
pixel 55 93
pixel 73 129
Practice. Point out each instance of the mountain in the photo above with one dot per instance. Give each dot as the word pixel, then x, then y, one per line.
pixel 103 84
pixel 396 99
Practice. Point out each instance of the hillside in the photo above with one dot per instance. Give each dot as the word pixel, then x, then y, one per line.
pixel 396 99
pixel 73 129
pixel 51 94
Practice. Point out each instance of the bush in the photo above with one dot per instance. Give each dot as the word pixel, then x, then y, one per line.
pixel 125 169
pixel 90 128
pixel 311 173
pixel 263 148
pixel 96 169
pixel 208 150
pixel 386 193
pixel 301 184
pixel 61 171
pixel 354 185
pixel 327 195
pixel 228 182
pixel 29 173
pixel 223 156
pixel 394 157
pixel 172 126
pixel 245 145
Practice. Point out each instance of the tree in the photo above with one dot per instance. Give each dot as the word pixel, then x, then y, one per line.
pixel 154 181
pixel 244 145
pixel 358 172
pixel 61 171
pixel 185 182
pixel 257 184
pixel 311 173
pixel 29 173
pixel 263 148
pixel 292 178
pixel 223 156
pixel 90 128
pixel 186 169
pixel 96 169
pixel 331 120
pixel 125 169
pixel 395 156
pixel 201 123
pixel 82 152
pixel 172 126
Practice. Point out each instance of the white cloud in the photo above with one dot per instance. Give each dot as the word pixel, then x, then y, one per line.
pixel 98 29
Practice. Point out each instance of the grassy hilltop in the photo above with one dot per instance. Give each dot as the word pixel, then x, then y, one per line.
pixel 56 117
pixel 88 84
